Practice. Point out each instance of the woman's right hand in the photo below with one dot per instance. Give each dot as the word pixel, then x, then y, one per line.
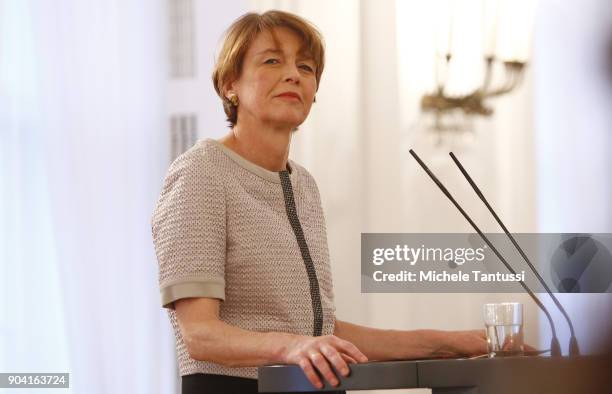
pixel 321 353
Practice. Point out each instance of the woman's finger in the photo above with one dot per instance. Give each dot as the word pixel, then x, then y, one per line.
pixel 310 373
pixel 350 349
pixel 529 348
pixel 320 363
pixel 335 359
pixel 348 359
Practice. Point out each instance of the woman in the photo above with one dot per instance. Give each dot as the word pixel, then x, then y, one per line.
pixel 240 235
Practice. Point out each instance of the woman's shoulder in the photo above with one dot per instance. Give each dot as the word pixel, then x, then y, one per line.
pixel 200 164
pixel 192 179
pixel 202 156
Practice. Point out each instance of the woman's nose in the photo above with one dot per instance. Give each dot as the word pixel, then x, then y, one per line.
pixel 292 74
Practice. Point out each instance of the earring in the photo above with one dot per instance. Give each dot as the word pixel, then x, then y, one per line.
pixel 233 98
pixel 315 99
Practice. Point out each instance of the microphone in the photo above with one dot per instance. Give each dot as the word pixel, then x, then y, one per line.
pixel 555 348
pixel 573 345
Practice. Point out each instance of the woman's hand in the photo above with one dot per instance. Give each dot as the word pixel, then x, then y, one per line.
pixel 321 353
pixel 465 344
pixel 474 343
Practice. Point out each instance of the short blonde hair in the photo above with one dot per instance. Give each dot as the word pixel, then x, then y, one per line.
pixel 242 33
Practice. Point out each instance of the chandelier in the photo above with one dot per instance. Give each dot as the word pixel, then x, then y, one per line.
pixel 506 33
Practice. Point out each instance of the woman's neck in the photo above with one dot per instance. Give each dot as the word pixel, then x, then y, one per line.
pixel 266 147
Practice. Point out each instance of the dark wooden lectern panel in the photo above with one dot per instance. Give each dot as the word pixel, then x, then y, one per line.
pixel 511 375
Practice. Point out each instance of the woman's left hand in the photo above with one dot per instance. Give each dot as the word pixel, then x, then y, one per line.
pixel 465 344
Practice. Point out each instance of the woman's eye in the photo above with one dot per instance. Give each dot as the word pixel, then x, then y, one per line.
pixel 306 67
pixel 271 61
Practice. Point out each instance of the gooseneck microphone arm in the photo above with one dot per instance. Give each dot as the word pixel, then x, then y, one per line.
pixel 573 348
pixel 555 348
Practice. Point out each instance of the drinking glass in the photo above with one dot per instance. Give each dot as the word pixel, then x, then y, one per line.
pixel 504 325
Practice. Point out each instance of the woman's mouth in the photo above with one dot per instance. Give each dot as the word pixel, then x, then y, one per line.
pixel 290 95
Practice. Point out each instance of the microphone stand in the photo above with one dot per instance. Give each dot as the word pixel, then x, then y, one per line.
pixel 573 346
pixel 555 348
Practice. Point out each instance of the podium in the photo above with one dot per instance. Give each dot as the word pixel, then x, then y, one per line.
pixel 508 375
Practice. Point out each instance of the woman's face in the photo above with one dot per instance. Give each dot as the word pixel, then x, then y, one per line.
pixel 278 81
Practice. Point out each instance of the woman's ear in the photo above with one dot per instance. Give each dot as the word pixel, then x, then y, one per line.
pixel 228 87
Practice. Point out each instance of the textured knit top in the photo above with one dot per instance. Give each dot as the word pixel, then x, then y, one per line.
pixel 222 228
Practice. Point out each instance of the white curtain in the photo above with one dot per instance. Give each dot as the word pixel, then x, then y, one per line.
pixel 82 154
pixel 573 100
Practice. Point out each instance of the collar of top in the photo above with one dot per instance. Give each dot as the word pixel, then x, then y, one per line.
pixel 264 173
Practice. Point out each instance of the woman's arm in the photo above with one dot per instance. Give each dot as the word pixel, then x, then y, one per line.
pixel 378 344
pixel 208 338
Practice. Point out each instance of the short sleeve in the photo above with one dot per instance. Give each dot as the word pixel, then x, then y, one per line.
pixel 188 227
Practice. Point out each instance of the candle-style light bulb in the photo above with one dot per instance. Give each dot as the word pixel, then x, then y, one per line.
pixel 490 18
